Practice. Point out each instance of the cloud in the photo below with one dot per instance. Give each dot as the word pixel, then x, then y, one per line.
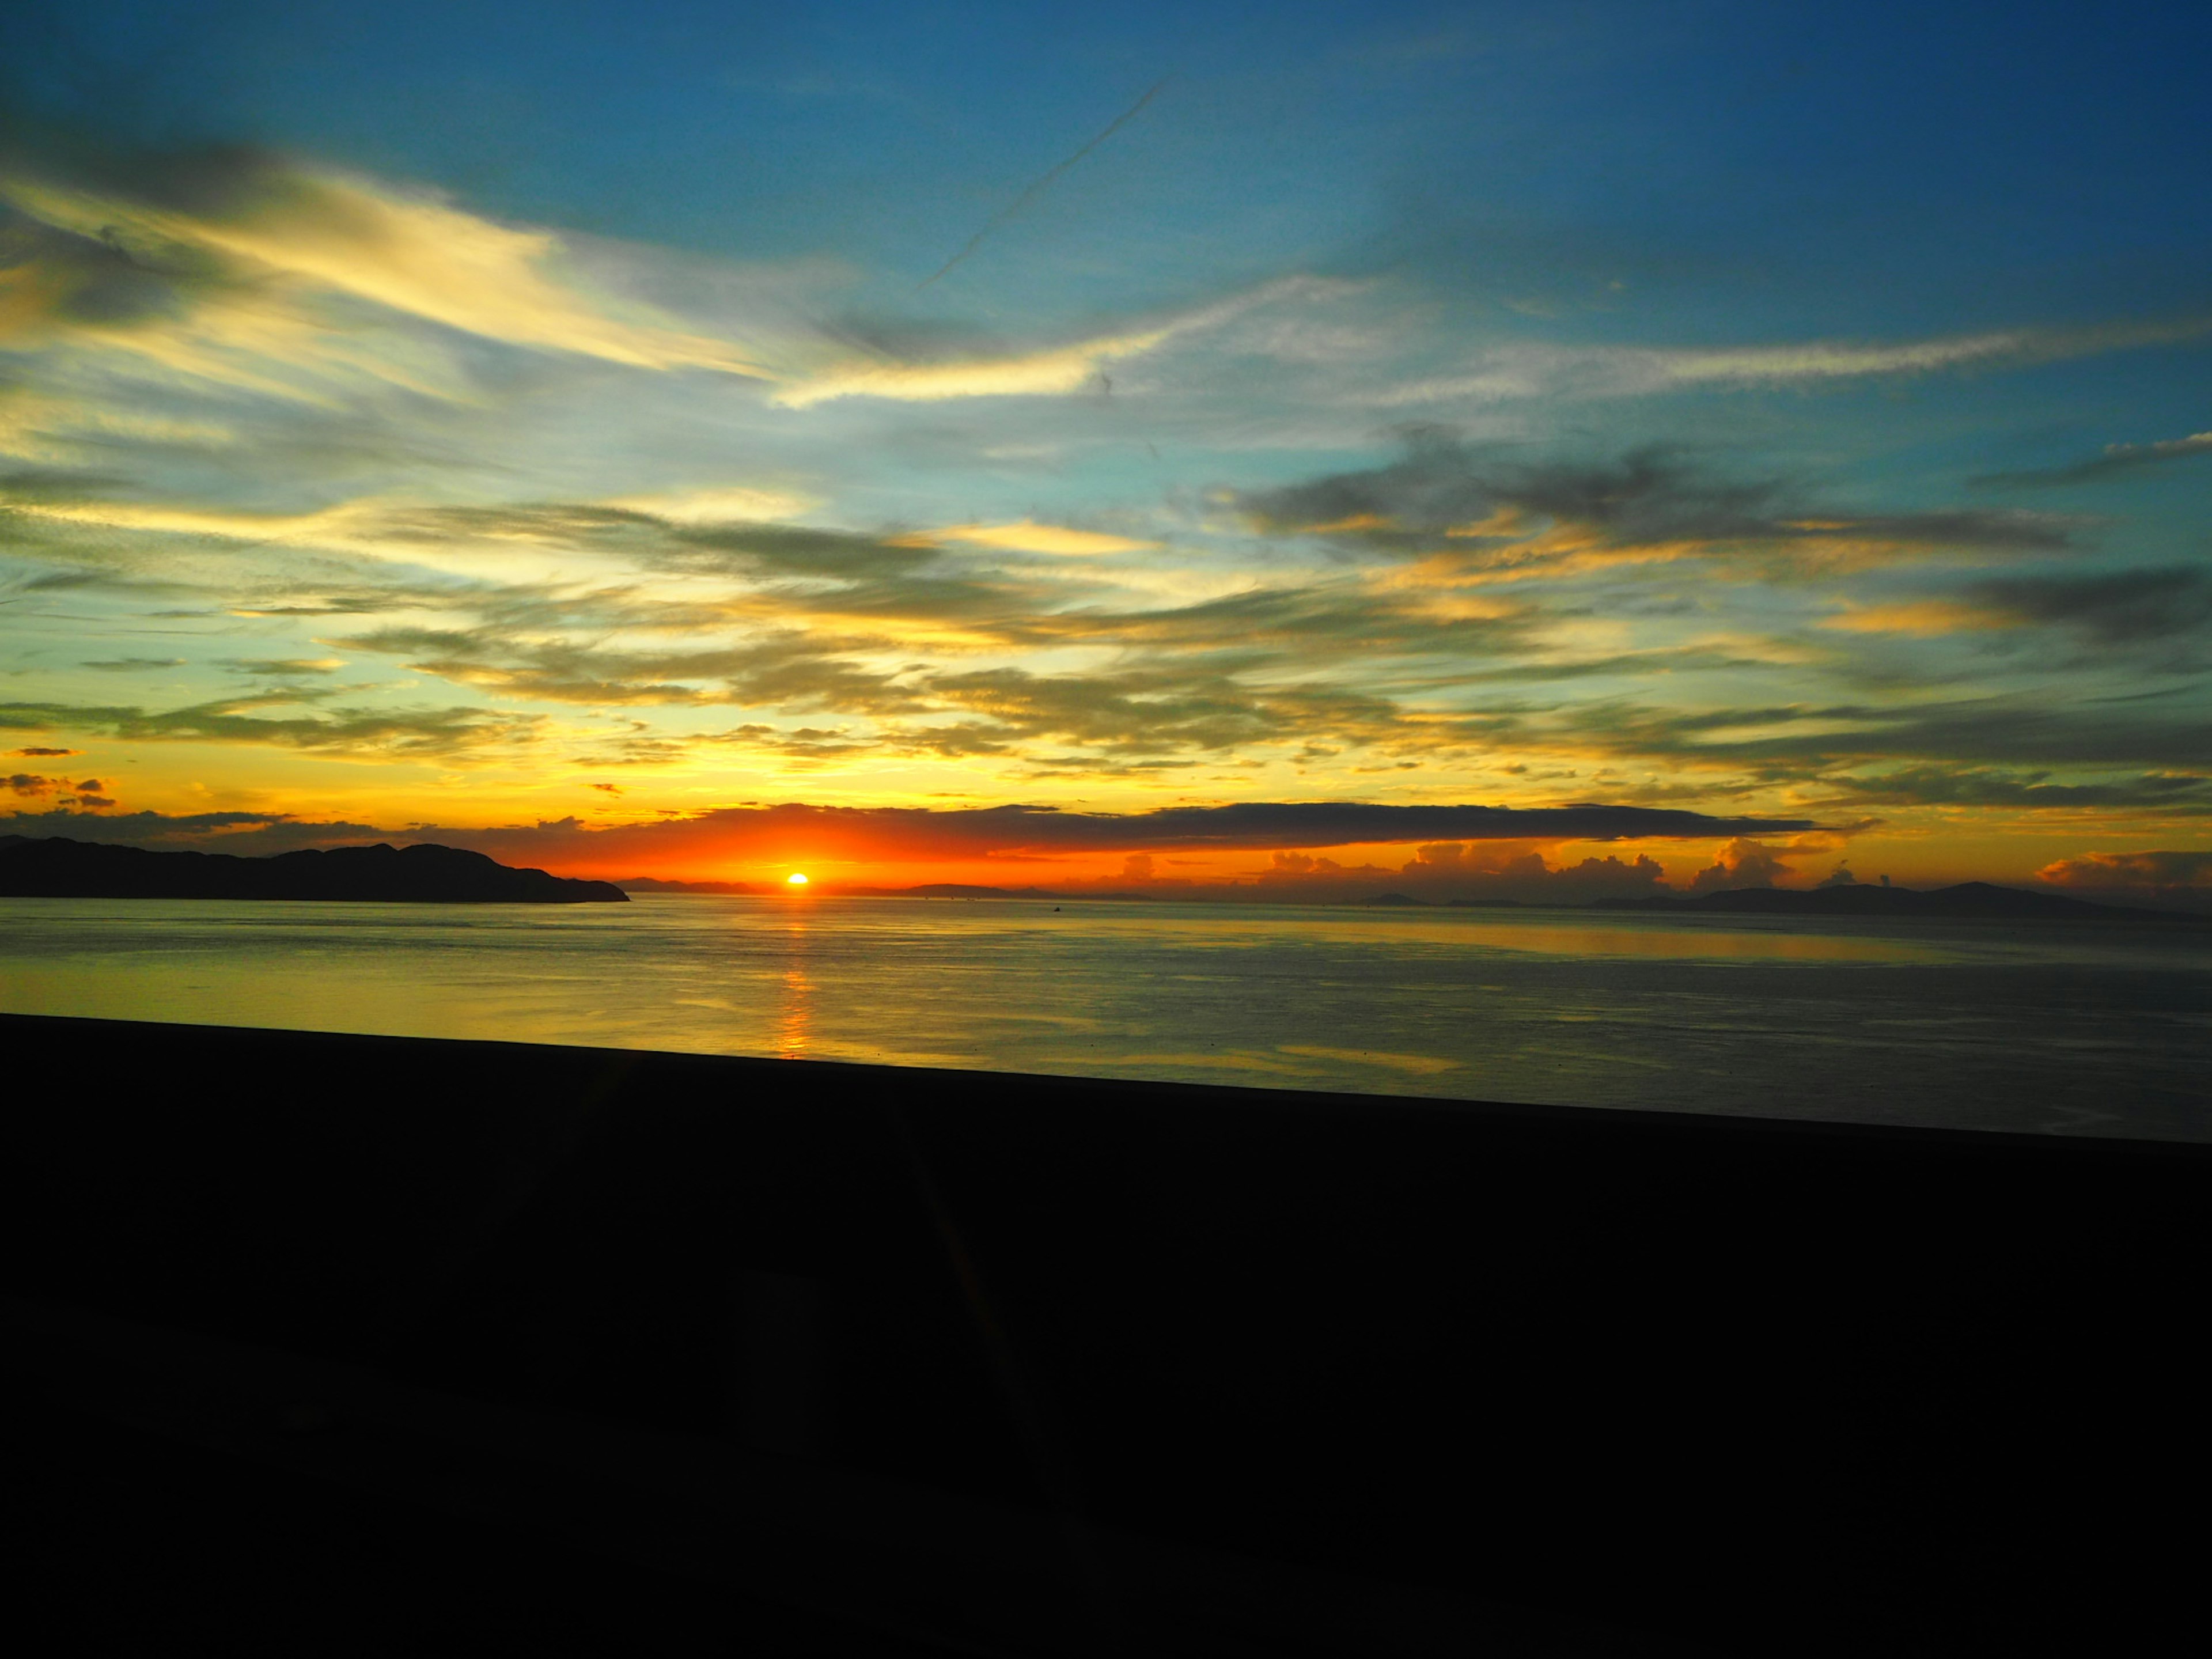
pixel 2178 879
pixel 2111 608
pixel 244 220
pixel 728 504
pixel 2122 608
pixel 1923 618
pixel 1387 652
pixel 1514 870
pixel 1467 512
pixel 1243 826
pixel 135 664
pixel 1533 371
pixel 1052 370
pixel 343 731
pixel 1741 863
pixel 1968 784
pixel 2191 868
pixel 1791 740
pixel 41 754
pixel 2117 460
pixel 795 830
pixel 33 786
pixel 1027 536
pixel 285 667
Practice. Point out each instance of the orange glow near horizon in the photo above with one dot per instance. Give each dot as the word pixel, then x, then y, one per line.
pixel 1909 860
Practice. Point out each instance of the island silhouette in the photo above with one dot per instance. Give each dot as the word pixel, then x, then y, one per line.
pixel 57 867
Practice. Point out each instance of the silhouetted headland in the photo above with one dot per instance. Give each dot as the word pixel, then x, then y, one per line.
pixel 57 867
pixel 1970 901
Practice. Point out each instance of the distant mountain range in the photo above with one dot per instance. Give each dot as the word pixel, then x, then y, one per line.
pixel 1970 901
pixel 655 885
pixel 57 867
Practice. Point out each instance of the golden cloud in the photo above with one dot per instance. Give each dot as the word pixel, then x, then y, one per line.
pixel 1920 617
pixel 1051 372
pixel 413 255
pixel 1038 373
pixel 1027 536
pixel 736 504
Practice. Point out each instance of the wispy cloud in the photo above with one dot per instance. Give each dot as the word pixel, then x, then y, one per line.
pixel 1951 785
pixel 1522 371
pixel 1055 370
pixel 1027 536
pixel 239 223
pixel 1051 370
pixel 2117 460
pixel 1464 511
pixel 361 731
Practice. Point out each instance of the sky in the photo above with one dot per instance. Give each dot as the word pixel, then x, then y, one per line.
pixel 1548 450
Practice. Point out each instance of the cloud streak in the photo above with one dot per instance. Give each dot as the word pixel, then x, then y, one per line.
pixel 1507 373
pixel 2117 461
pixel 241 223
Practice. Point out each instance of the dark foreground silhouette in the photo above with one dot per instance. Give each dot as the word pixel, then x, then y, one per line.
pixel 57 867
pixel 340 1341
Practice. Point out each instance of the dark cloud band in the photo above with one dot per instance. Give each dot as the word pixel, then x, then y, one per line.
pixel 896 833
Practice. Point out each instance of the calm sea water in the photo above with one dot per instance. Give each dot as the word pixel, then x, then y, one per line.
pixel 2079 1031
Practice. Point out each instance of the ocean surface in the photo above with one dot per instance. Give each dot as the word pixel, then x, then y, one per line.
pixel 2080 1030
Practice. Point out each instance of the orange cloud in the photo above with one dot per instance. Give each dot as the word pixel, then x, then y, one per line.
pixel 1921 617
pixel 2151 869
pixel 1742 863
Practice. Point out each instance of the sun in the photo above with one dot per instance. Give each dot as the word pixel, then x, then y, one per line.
pixel 794 880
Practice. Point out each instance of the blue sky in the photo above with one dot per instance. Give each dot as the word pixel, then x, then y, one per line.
pixel 1759 409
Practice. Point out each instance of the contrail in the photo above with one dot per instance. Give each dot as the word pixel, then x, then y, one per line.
pixel 1040 186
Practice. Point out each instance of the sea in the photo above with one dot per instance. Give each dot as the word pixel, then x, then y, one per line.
pixel 2057 1029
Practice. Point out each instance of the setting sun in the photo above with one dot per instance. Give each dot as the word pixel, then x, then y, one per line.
pixel 794 880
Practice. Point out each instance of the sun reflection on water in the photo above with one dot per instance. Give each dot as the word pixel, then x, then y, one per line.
pixel 795 1027
pixel 795 1017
